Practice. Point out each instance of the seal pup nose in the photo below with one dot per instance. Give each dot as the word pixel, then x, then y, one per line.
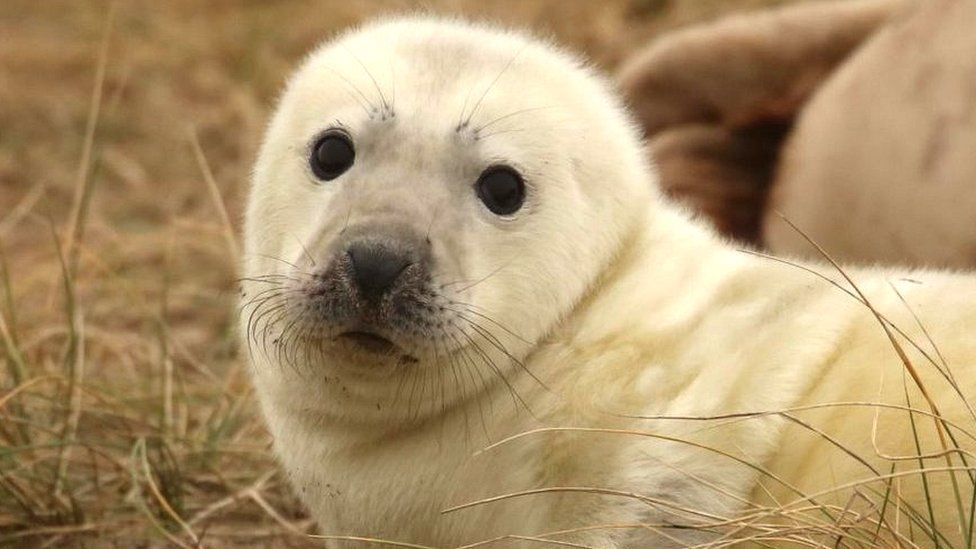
pixel 375 267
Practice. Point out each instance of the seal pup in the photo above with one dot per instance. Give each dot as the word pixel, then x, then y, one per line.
pixel 717 100
pixel 453 238
pixel 803 110
pixel 889 141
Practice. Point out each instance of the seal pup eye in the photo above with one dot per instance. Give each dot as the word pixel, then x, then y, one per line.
pixel 332 155
pixel 501 189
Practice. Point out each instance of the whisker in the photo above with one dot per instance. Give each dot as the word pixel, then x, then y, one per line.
pixel 413 391
pixel 500 132
pixel 507 116
pixel 386 105
pixel 469 308
pixel 460 121
pixel 371 107
pixel 260 319
pixel 265 278
pixel 490 338
pixel 461 388
pixel 477 105
pixel 486 358
pixel 484 278
pixel 289 263
pixel 304 249
pixel 260 301
pixel 284 340
pixel 265 293
pixel 277 314
pixel 465 356
pixel 440 379
pixel 258 311
pixel 422 400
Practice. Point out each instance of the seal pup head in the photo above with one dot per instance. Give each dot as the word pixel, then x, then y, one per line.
pixel 431 196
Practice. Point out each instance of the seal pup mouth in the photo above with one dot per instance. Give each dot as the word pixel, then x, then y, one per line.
pixel 369 341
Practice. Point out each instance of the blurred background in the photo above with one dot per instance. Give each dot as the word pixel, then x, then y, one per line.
pixel 127 132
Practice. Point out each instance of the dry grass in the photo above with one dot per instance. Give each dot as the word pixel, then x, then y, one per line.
pixel 126 137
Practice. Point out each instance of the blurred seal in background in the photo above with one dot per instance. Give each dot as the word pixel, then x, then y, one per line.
pixel 855 120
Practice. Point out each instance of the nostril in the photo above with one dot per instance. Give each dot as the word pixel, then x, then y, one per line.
pixel 375 267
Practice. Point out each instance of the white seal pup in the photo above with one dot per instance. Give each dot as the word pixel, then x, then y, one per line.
pixel 453 238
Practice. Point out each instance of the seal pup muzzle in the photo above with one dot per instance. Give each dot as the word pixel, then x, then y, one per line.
pixel 373 291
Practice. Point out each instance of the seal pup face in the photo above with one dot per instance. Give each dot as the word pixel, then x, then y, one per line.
pixel 432 196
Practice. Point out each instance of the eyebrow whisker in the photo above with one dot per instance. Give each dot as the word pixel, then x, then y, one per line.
pixel 477 105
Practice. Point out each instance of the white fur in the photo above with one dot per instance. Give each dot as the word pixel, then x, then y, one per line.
pixel 615 299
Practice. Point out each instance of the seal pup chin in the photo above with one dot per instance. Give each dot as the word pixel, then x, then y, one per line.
pixel 453 238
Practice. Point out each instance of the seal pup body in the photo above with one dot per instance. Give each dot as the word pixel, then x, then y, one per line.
pixel 453 239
